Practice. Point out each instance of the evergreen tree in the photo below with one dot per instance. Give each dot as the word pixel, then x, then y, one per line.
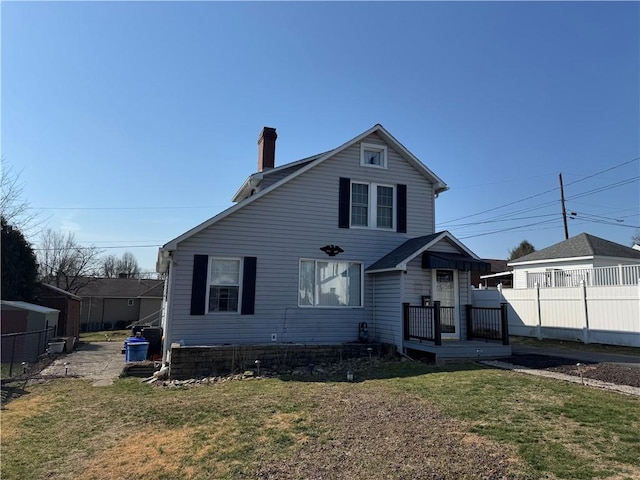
pixel 525 248
pixel 19 267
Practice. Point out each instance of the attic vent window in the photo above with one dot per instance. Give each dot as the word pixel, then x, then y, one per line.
pixel 372 155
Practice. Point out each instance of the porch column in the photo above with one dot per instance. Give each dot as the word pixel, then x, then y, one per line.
pixel 437 330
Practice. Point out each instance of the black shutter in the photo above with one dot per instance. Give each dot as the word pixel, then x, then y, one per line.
pixel 401 193
pixel 199 284
pixel 344 199
pixel 248 286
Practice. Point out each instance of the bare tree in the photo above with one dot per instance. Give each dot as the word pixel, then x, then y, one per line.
pixel 635 240
pixel 112 266
pixel 108 266
pixel 13 207
pixel 128 265
pixel 64 263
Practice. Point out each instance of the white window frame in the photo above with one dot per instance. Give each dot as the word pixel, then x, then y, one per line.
pixel 209 285
pixel 373 206
pixel 130 302
pixel 372 147
pixel 316 292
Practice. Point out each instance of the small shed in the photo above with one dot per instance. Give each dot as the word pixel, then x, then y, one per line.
pixel 26 329
pixel 69 306
pixel 19 317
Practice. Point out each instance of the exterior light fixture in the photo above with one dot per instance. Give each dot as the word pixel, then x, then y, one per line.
pixel 332 250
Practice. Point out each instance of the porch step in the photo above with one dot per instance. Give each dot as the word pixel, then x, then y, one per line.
pixel 450 350
pixel 139 369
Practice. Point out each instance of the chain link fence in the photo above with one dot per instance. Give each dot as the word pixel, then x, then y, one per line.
pixel 21 350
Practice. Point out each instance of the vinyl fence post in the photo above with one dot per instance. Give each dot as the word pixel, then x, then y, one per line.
pixel 539 327
pixel 504 323
pixel 585 309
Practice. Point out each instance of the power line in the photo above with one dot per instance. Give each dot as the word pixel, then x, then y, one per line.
pixel 505 216
pixel 501 206
pixel 604 188
pixel 605 170
pixel 473 224
pixel 504 230
pixel 542 193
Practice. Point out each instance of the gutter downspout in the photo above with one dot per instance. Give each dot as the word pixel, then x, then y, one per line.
pixel 167 315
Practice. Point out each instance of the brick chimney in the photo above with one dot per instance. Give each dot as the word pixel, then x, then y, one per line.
pixel 267 148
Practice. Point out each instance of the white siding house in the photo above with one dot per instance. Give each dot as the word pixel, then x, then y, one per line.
pixel 576 260
pixel 313 248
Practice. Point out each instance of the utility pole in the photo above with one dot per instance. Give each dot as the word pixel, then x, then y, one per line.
pixel 564 210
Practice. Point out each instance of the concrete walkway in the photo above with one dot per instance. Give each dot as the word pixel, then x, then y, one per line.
pixel 101 362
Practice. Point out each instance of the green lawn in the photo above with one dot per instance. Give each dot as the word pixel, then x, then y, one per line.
pixel 105 336
pixel 397 421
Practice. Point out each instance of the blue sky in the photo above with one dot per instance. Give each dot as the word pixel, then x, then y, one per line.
pixel 133 122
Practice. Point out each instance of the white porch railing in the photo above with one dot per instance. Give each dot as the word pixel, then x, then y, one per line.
pixel 592 277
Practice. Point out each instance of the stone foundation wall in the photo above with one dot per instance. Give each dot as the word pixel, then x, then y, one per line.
pixel 194 362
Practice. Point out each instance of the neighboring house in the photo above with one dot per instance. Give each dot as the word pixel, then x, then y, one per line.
pixel 115 303
pixel 500 274
pixel 315 247
pixel 69 306
pixel 26 329
pixel 583 258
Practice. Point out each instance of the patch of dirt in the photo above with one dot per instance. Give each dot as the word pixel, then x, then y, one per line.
pixel 617 373
pixel 391 437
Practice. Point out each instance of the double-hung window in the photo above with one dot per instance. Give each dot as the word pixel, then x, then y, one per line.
pixel 372 205
pixel 330 283
pixel 224 284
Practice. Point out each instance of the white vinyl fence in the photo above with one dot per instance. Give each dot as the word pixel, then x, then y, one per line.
pixel 598 314
pixel 600 276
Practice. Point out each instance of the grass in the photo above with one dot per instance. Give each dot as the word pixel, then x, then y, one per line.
pixel 105 335
pixel 65 429
pixel 561 429
pixel 581 347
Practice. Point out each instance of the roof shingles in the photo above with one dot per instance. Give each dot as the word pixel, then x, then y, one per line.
pixel 583 245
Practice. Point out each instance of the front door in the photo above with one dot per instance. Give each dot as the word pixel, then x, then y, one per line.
pixel 445 290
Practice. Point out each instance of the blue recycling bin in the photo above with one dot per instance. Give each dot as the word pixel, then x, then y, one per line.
pixel 135 349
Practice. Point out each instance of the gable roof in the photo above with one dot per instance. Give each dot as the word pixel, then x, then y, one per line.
pixel 440 186
pixel 582 245
pixel 255 179
pixel 398 258
pixel 54 291
pixel 122 288
pixel 31 307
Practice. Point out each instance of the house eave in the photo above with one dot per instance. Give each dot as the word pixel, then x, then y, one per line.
pixel 549 260
pixel 245 189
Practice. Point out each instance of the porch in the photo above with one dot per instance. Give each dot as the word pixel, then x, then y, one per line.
pixel 486 334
